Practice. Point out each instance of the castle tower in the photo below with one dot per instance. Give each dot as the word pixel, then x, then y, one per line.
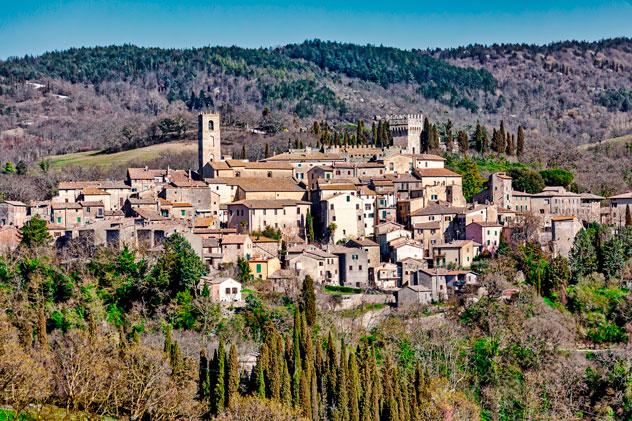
pixel 406 131
pixel 209 140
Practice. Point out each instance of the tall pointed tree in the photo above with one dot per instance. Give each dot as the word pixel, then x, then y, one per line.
pixel 520 141
pixel 308 302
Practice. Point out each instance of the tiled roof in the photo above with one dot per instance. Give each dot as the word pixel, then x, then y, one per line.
pixel 428 157
pixel 150 215
pixel 278 184
pixel 438 209
pixel 92 203
pixel 14 203
pixel 560 218
pixel 486 224
pixel 456 244
pixel 364 242
pixel 94 191
pixel 268 203
pixel 305 156
pixel 234 239
pixel 427 225
pixel 436 172
pixel 62 205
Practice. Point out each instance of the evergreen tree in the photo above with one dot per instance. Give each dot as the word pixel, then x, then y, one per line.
pixel 511 148
pixel 628 216
pixel 373 133
pixel 243 152
pixel 309 300
pixel 286 387
pixel 218 395
pixel 485 141
pixel 478 137
pixel 425 136
pixel 503 136
pixel 232 377
pixel 434 138
pixel 449 140
pixel 520 141
pixel 354 388
pixel 203 377
pixel 309 222
pixel 35 232
pixel 21 168
pixel 266 152
pixel 464 142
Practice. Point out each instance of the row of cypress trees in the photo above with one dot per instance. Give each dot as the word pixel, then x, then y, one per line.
pixel 319 377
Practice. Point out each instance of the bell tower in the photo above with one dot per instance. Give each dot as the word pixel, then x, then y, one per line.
pixel 209 140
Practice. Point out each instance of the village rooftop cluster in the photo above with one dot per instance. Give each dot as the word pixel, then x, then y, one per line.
pixel 390 221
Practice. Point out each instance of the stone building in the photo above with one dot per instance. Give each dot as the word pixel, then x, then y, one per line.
pixel 209 141
pixel 406 131
pixel 13 212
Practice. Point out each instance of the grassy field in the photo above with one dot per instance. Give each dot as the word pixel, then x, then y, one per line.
pixel 612 141
pixel 98 158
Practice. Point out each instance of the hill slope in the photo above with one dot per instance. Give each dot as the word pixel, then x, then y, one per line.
pixel 93 98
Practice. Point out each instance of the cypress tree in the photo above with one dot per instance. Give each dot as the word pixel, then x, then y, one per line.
pixel 286 387
pixel 309 221
pixel 373 133
pixel 342 385
pixel 304 397
pixel 203 377
pixel 168 341
pixel 309 300
pixel 463 141
pixel 449 140
pixel 520 141
pixel 266 152
pixel 425 136
pixel 511 146
pixel 628 216
pixel 232 377
pixel 243 151
pixel 218 396
pixel 354 388
pixel 478 137
pixel 502 133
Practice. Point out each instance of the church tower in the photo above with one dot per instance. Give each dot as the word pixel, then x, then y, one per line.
pixel 209 140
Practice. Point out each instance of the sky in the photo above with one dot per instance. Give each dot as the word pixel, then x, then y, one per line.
pixel 35 26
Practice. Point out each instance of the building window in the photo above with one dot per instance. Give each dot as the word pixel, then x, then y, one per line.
pixel 228 291
pixel 258 267
pixel 211 125
pixel 183 212
pixel 59 219
pixel 78 219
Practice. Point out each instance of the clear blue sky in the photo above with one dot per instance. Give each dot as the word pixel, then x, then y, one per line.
pixel 35 26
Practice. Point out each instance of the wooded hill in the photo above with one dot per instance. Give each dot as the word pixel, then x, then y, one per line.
pixel 87 98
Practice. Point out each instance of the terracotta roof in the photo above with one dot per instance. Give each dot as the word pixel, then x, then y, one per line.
pixel 266 184
pixel 438 209
pixel 330 186
pixel 92 203
pixel 62 205
pixel 561 218
pixel 428 157
pixel 234 239
pixel 150 215
pixel 627 195
pixel 189 183
pixel 366 191
pixel 427 225
pixel 455 244
pixel 145 174
pixel 203 222
pixel 305 156
pixel 268 203
pixel 75 185
pixel 591 196
pixel 520 193
pixel 182 205
pixel 486 224
pixel 436 172
pixel 364 242
pixel 14 203
pixel 137 201
pixel 94 191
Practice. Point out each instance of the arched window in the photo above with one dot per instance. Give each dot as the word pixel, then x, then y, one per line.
pixel 211 125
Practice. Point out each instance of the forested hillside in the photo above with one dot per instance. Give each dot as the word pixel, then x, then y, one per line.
pixel 122 97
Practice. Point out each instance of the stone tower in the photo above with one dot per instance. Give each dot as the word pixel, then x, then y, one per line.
pixel 209 140
pixel 406 130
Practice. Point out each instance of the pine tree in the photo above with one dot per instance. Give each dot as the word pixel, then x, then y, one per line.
pixel 520 141
pixel 9 168
pixel 464 142
pixel 232 377
pixel 309 300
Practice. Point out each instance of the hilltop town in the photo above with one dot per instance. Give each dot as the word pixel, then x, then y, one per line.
pixel 388 220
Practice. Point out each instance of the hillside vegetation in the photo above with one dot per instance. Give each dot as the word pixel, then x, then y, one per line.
pixel 124 97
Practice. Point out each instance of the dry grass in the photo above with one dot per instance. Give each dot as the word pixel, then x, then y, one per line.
pixel 99 159
pixel 612 141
